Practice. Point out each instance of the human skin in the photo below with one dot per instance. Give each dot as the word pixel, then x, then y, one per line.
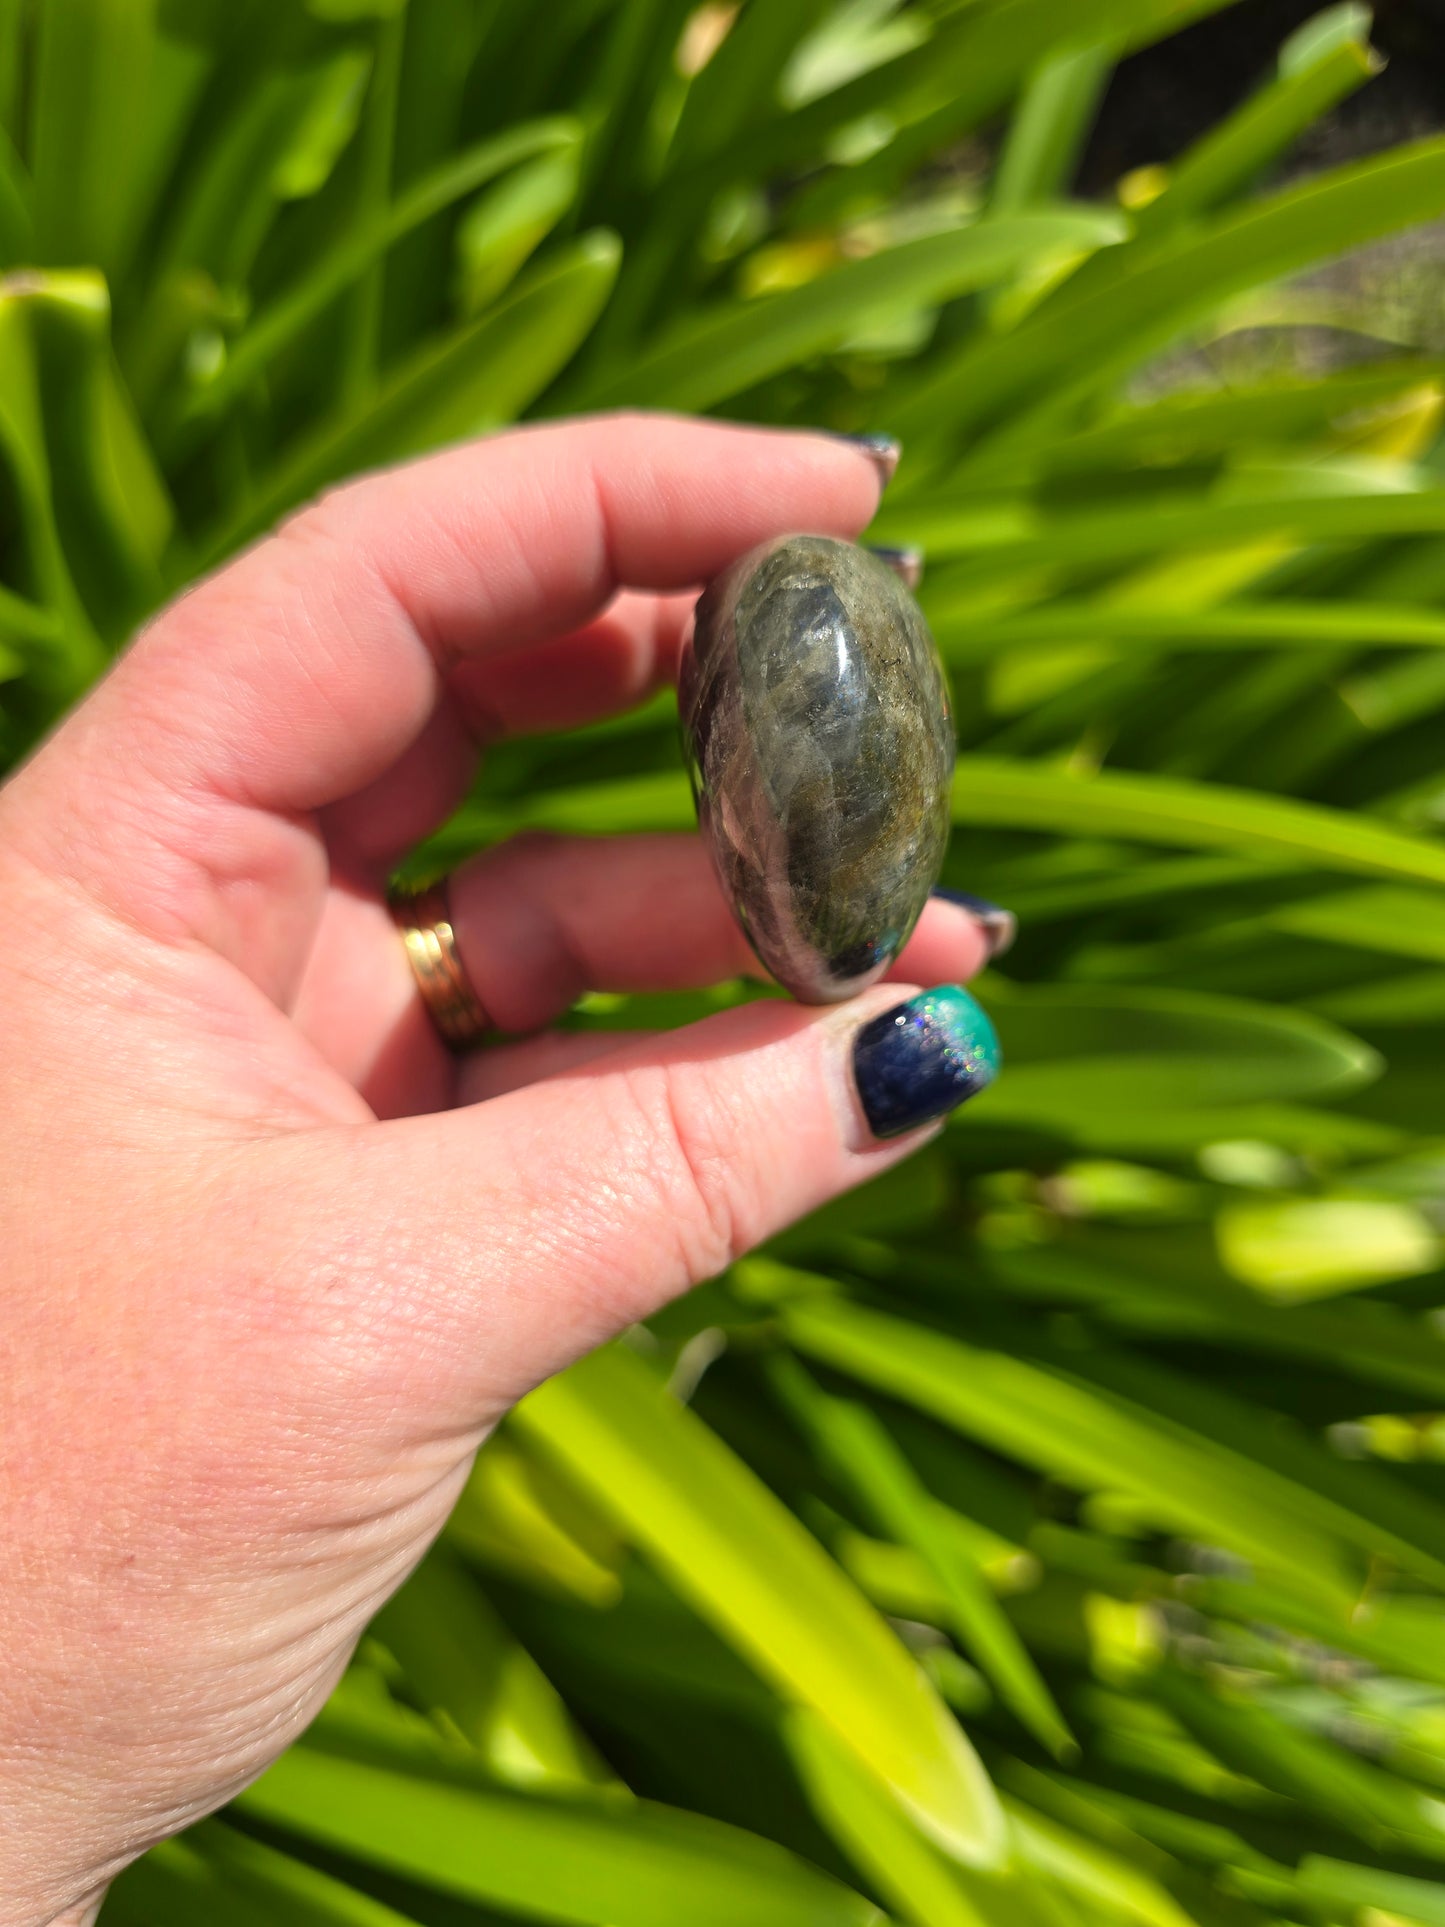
pixel 275 1261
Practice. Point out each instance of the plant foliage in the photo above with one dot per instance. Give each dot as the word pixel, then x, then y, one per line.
pixel 1055 1532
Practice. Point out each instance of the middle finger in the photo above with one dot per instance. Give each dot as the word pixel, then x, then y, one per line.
pixel 608 666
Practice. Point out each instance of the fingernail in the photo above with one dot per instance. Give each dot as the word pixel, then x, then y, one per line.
pixel 906 564
pixel 1000 926
pixel 923 1059
pixel 882 450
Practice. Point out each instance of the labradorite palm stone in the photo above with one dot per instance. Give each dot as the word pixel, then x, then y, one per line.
pixel 816 723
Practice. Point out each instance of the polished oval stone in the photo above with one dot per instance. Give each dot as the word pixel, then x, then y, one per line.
pixel 816 724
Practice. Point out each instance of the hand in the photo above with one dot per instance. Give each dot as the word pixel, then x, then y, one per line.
pixel 274 1260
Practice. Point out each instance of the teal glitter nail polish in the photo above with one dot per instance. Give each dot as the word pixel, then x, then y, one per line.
pixel 923 1059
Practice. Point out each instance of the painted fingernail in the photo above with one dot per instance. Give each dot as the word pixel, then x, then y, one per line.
pixel 906 564
pixel 923 1059
pixel 1000 926
pixel 882 450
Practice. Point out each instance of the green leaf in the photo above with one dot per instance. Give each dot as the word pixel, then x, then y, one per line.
pixel 1315 625
pixel 1325 61
pixel 223 208
pixel 516 1517
pixel 25 622
pixel 1409 998
pixel 745 1564
pixel 1358 1797
pixel 968 69
pixel 1405 923
pixel 856 1447
pixel 1138 881
pixel 112 510
pixel 1071 1051
pixel 324 127
pixel 227 1879
pixel 503 228
pixel 1400 1636
pixel 1383 1347
pixel 1201 816
pixel 1354 1504
pixel 1374 1891
pixel 1076 1434
pixel 1074 347
pixel 481 377
pixel 624 80
pixel 86 118
pixel 12 61
pixel 1007 539
pixel 1193 426
pixel 1131 1824
pixel 1345 24
pixel 1049 126
pixel 1095 1875
pixel 916 1881
pixel 375 106
pixel 439 57
pixel 713 355
pixel 355 9
pixel 661 802
pixel 595 1864
pixel 276 327
pixel 739 84
pixel 17 225
pixel 463 1666
pixel 48 618
pixel 1304 1248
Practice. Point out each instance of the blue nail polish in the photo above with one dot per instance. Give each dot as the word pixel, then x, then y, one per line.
pixel 923 1059
pixel 906 564
pixel 1000 926
pixel 882 450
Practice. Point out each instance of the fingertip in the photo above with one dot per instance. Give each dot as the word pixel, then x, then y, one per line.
pixel 999 926
pixel 949 946
pixel 883 453
pixel 915 1063
pixel 653 471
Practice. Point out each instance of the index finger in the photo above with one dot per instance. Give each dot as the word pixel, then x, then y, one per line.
pixel 305 668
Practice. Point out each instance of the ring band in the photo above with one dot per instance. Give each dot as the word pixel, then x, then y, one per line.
pixel 424 918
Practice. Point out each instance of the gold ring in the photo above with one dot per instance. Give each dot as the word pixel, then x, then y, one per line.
pixel 424 918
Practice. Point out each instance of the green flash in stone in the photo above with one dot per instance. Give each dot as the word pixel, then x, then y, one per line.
pixel 816 724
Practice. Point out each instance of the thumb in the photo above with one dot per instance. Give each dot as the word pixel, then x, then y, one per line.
pixel 538 1224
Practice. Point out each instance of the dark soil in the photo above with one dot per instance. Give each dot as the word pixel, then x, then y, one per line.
pixel 1165 97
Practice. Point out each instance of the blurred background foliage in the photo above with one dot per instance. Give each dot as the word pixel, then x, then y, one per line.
pixel 1108 1433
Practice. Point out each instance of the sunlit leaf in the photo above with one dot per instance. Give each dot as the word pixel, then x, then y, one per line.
pixel 1294 1248
pixel 748 1567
